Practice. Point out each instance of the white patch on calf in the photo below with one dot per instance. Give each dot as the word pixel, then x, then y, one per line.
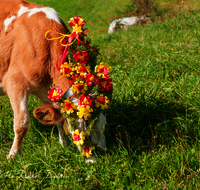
pixel 8 21
pixel 23 103
pixel 22 10
pixel 51 14
pixel 24 107
pixel 16 151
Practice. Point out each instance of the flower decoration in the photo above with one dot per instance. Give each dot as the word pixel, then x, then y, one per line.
pixel 67 69
pixel 84 112
pixel 86 78
pixel 91 79
pixel 68 107
pixel 55 94
pixel 103 70
pixel 78 137
pixel 105 84
pixel 87 151
pixel 83 69
pixel 79 87
pixel 85 100
pixel 77 78
pixel 102 101
pixel 76 23
pixel 81 57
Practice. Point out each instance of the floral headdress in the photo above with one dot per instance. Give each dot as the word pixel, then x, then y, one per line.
pixel 86 78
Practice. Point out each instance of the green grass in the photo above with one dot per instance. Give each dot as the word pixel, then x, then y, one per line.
pixel 153 125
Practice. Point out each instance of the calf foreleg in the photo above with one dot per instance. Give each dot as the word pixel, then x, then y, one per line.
pixel 17 90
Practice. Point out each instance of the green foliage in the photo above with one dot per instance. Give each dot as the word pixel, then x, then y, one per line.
pixel 153 125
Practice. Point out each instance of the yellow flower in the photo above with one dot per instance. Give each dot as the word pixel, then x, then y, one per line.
pixel 67 69
pixel 82 69
pixel 87 151
pixel 102 101
pixel 84 112
pixel 68 107
pixel 78 137
pixel 103 70
pixel 79 87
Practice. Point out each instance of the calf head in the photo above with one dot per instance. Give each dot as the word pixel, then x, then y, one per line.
pixel 80 107
pixel 82 120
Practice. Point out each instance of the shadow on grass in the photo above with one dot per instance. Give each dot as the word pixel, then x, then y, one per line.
pixel 146 124
pixel 141 125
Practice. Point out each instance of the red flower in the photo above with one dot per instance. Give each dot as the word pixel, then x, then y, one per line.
pixel 91 79
pixel 105 84
pixel 76 20
pixel 76 77
pixel 102 101
pixel 103 70
pixel 55 94
pixel 81 57
pixel 85 100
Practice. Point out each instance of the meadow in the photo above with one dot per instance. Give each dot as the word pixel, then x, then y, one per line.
pixel 153 125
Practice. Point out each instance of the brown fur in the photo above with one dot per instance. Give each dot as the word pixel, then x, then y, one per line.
pixel 27 61
pixel 48 114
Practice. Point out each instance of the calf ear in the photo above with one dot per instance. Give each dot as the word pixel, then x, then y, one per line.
pixel 48 114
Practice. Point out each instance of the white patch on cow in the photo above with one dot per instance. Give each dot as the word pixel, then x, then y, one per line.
pixel 8 21
pixel 22 10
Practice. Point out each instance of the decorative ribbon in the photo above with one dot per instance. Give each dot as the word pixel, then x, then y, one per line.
pixel 76 23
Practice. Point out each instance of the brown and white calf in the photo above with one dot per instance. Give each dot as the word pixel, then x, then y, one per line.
pixel 28 62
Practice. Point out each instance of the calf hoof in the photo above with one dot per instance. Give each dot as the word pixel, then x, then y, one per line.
pixel 91 159
pixel 14 153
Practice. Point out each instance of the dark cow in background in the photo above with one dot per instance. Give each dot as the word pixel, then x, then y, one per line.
pixel 28 62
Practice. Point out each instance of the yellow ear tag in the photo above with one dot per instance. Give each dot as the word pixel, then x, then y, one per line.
pixel 47 118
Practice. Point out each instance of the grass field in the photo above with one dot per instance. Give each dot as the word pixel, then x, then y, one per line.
pixel 153 125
